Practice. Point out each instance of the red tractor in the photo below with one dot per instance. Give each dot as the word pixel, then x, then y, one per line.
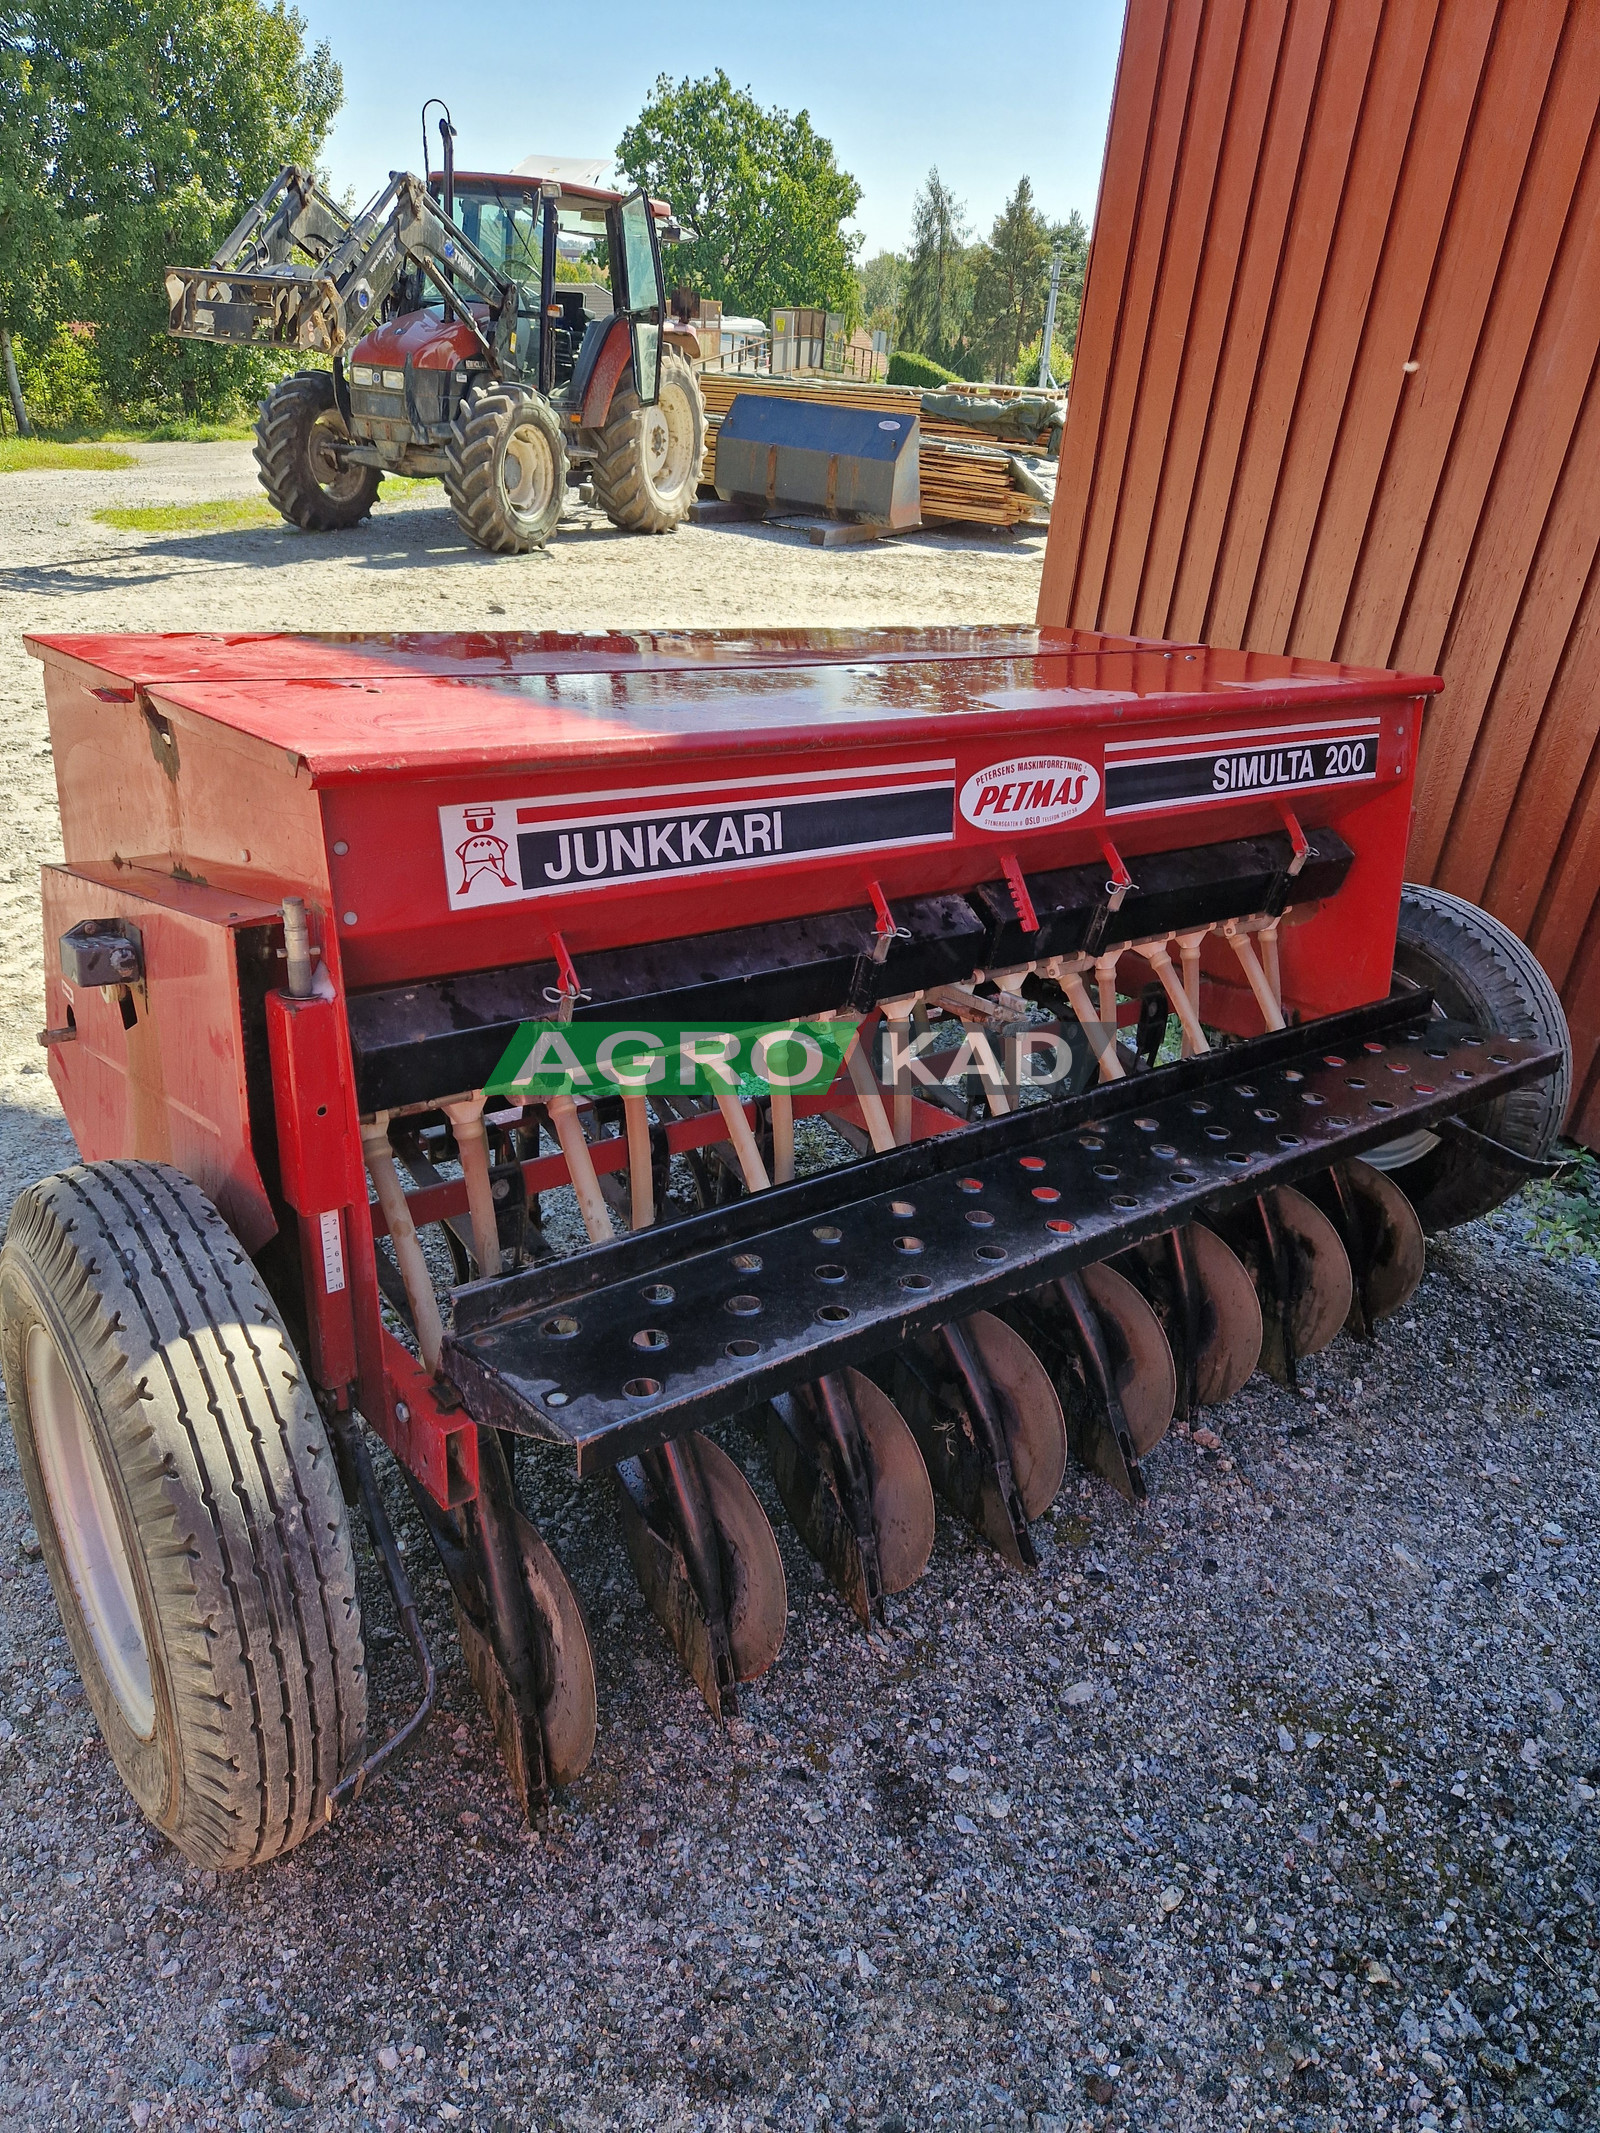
pixel 458 353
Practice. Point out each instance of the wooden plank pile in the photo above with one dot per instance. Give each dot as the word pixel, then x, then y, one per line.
pixel 965 481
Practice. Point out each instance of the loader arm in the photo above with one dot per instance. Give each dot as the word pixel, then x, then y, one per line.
pixel 294 213
pixel 254 291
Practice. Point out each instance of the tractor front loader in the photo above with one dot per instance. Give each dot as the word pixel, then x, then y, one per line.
pixel 457 353
pixel 915 1058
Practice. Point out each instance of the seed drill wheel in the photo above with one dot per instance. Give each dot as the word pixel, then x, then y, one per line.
pixel 1103 1351
pixel 988 1423
pixel 185 1497
pixel 1381 1234
pixel 567 1707
pixel 1301 1273
pixel 1478 971
pixel 897 1520
pixel 1224 1330
pixel 740 1634
pixel 649 465
pixel 506 470
pixel 297 431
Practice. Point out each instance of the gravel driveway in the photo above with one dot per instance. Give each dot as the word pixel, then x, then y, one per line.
pixel 1275 1806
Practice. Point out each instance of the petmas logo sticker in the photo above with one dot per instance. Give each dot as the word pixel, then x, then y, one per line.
pixel 1029 792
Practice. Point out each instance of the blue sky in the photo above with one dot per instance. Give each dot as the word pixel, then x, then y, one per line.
pixel 986 92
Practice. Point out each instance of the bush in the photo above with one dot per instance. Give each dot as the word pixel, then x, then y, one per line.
pixel 1027 370
pixel 905 368
pixel 62 388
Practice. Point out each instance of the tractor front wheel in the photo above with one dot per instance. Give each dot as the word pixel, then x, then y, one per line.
pixel 506 472
pixel 187 1505
pixel 298 432
pixel 648 468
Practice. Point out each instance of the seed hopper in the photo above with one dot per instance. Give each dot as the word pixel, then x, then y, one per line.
pixel 1151 1073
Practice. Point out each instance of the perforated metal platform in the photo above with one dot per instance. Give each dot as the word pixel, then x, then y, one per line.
pixel 671 1328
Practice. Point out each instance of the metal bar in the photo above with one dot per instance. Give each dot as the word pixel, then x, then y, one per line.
pixel 869 1096
pixel 753 1170
pixel 563 1115
pixel 403 1236
pixel 1271 1012
pixel 641 1185
pixel 472 1146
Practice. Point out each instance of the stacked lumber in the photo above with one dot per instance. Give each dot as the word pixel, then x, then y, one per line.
pixel 962 480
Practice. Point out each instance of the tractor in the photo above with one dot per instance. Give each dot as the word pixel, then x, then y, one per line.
pixel 456 351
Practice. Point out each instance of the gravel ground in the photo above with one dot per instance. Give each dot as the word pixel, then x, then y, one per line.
pixel 1274 1806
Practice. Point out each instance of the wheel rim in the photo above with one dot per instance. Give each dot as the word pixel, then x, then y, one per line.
pixel 88 1530
pixel 340 484
pixel 669 441
pixel 529 471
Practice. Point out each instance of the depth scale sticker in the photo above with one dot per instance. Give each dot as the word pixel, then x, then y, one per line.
pixel 505 851
pixel 1142 774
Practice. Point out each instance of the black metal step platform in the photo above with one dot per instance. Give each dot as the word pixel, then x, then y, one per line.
pixel 672 1328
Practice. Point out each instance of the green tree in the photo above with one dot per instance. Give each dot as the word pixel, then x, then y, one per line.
pixel 882 280
pixel 164 120
pixel 1008 293
pixel 762 189
pixel 33 261
pixel 936 297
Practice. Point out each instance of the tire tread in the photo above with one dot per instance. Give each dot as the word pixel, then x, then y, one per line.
pixel 1483 971
pixel 234 1494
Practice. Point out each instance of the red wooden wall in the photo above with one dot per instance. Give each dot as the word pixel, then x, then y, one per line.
pixel 1337 393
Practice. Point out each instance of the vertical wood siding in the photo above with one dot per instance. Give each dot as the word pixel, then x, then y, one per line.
pixel 1337 392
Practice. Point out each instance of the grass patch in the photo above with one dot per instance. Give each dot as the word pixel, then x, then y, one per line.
pixel 1566 1211
pixel 237 429
pixel 177 429
pixel 229 515
pixel 29 455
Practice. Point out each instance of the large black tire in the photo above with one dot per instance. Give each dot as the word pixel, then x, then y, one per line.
pixel 648 469
pixel 188 1507
pixel 506 471
pixel 1478 971
pixel 298 424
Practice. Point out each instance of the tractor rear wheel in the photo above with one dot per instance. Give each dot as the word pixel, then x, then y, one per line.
pixel 506 471
pixel 187 1505
pixel 1478 971
pixel 648 468
pixel 297 431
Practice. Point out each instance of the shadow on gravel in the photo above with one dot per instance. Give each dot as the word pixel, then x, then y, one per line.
pixel 33 1143
pixel 410 537
pixel 405 539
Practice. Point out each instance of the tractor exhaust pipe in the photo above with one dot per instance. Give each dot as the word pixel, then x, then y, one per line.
pixel 447 142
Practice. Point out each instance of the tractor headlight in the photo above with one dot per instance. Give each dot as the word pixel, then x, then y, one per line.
pixel 394 380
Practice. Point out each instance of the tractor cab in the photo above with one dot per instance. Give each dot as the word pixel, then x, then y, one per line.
pixel 503 217
pixel 524 221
